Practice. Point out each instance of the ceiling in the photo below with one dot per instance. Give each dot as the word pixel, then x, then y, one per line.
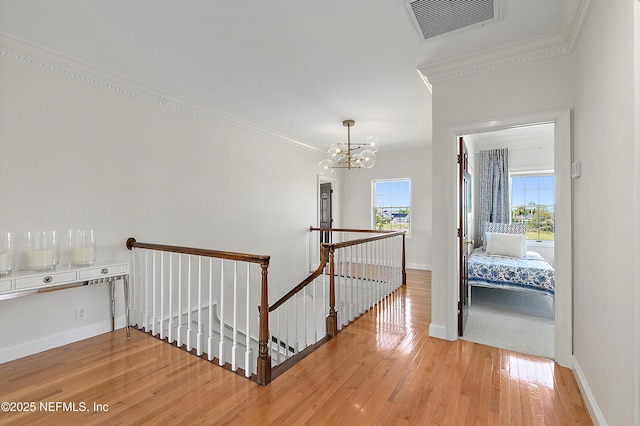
pixel 297 68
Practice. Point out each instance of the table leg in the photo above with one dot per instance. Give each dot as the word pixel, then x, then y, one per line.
pixel 113 304
pixel 126 304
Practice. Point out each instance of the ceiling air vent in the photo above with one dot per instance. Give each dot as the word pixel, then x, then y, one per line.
pixel 432 18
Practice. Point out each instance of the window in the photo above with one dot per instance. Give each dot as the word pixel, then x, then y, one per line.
pixel 392 205
pixel 532 201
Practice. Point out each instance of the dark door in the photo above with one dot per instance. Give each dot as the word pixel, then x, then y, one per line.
pixel 463 235
pixel 326 220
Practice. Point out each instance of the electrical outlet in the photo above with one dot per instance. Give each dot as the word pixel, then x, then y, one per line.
pixel 81 313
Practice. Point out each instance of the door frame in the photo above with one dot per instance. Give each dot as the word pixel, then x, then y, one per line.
pixel 463 235
pixel 563 208
pixel 314 237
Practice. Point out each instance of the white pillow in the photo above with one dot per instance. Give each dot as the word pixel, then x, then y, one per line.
pixel 511 245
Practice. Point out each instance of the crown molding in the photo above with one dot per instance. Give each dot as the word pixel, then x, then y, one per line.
pixel 551 45
pixel 56 63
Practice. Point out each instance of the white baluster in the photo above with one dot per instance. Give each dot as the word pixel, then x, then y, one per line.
pixel 189 322
pixel 199 336
pixel 340 311
pixel 162 317
pixel 234 346
pixel 170 334
pixel 325 303
pixel 389 265
pixel 210 339
pixel 287 342
pixel 278 337
pixel 154 285
pixel 147 316
pixel 356 281
pixel 348 283
pixel 378 270
pixel 135 289
pixel 315 312
pixel 221 345
pixel 305 317
pixel 247 353
pixel 133 302
pixel 180 290
pixel 296 320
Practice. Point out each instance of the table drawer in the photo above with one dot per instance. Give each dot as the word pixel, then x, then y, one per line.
pixel 46 280
pixel 102 271
pixel 5 285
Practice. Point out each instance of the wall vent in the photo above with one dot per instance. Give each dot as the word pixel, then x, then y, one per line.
pixel 432 18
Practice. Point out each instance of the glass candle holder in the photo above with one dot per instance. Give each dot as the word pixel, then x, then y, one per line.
pixel 42 250
pixel 82 247
pixel 6 253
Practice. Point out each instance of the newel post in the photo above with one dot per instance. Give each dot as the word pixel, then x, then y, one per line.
pixel 332 319
pixel 263 368
pixel 404 261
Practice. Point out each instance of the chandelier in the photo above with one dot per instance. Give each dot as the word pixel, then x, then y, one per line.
pixel 347 156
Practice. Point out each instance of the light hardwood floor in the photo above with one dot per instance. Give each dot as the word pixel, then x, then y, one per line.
pixel 382 369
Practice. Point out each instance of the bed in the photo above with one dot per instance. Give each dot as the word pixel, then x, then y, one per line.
pixel 503 262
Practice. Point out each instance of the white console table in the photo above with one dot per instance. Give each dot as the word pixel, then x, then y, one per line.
pixel 27 283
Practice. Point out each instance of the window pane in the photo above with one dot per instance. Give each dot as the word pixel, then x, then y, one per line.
pixel 392 204
pixel 532 199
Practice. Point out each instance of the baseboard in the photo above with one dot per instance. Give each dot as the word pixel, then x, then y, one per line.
pixel 438 331
pixel 594 410
pixel 54 341
pixel 419 266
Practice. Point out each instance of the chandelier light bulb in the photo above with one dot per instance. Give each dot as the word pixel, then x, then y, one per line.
pixel 335 152
pixel 325 167
pixel 368 158
pixel 373 143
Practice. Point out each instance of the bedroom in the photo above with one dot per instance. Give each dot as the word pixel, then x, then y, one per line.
pixel 505 310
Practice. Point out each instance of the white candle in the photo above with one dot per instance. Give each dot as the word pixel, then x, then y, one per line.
pixel 83 255
pixel 4 263
pixel 40 259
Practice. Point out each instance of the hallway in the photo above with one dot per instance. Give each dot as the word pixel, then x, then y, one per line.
pixel 381 369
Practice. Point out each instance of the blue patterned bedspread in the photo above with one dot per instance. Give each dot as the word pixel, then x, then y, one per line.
pixel 533 273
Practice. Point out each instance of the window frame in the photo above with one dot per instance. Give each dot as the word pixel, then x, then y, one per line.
pixel 534 173
pixel 373 207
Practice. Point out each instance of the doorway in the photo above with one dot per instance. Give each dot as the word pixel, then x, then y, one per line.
pixel 326 213
pixel 523 321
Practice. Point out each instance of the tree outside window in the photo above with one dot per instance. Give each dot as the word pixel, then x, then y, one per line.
pixel 532 203
pixel 392 205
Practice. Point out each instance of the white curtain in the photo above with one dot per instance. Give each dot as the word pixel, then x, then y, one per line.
pixel 494 189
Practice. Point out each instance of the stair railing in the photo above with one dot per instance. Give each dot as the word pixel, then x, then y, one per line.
pixel 352 276
pixel 200 300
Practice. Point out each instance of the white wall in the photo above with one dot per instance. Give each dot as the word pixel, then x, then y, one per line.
pixel 489 97
pixel 598 81
pixel 356 198
pixel 80 152
pixel 603 241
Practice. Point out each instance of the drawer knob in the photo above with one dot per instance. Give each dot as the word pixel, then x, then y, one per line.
pixel 104 271
pixel 47 279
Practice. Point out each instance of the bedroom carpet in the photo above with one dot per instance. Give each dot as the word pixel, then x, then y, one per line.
pixel 514 320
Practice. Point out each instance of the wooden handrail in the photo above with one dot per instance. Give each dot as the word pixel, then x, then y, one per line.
pixel 326 249
pixel 387 234
pixel 315 274
pixel 367 231
pixel 242 257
